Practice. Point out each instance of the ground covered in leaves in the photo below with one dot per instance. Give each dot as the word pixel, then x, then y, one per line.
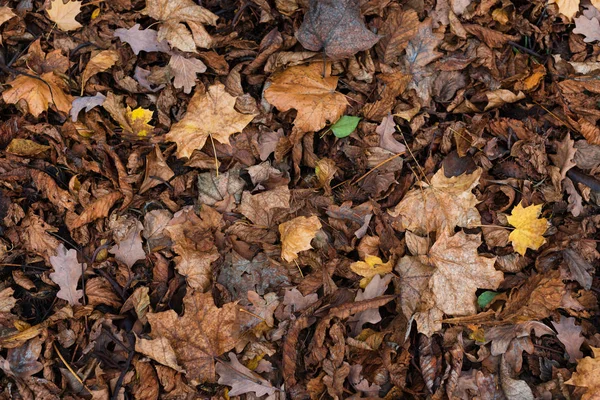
pixel 303 199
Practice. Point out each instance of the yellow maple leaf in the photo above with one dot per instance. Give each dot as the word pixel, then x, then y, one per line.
pixel 305 89
pixel 568 8
pixel 139 121
pixel 372 266
pixel 63 14
pixel 529 228
pixel 296 235
pixel 208 114
pixel 38 93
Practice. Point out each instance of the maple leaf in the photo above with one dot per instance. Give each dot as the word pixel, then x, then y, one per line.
pixel 208 114
pixel 67 273
pixel 201 334
pixel 185 70
pixel 241 379
pixel 588 375
pixel 372 266
pixel 194 244
pixel 337 27
pixel 138 121
pixel 99 63
pixel 39 93
pixel 568 8
pixel 174 14
pixel 296 235
pixel 570 336
pixel 313 95
pixel 129 247
pixel 141 39
pixel 588 27
pixel 261 208
pixel 529 229
pixel 441 205
pixel 63 14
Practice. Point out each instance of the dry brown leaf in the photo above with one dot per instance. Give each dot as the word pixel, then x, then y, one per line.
pixel 67 274
pixel 386 131
pixel 7 301
pixel 99 208
pixel 35 236
pixel 157 171
pixel 160 350
pixel 241 379
pixel 262 208
pixel 305 89
pixel 201 334
pixel 210 114
pixel 184 70
pixel 399 28
pixel 568 8
pixel 336 27
pixel 588 375
pixel 99 291
pixel 442 205
pixel 193 242
pixel 57 196
pixel 570 336
pixel 498 98
pixel 39 93
pixel 98 63
pixel 565 154
pixel 6 13
pixel 296 235
pixel 128 248
pixel 174 14
pixel 63 14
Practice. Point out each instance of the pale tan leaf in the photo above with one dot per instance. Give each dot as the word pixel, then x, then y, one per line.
pixel 568 8
pixel 39 93
pixel 63 14
pixel 159 350
pixel 67 274
pixel 98 63
pixel 296 235
pixel 185 70
pixel 129 247
pixel 157 171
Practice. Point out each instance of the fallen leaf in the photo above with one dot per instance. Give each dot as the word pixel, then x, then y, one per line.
pixel 89 102
pixel 138 121
pixel 50 189
pixel 336 27
pixel 568 8
pixel 25 148
pixel 39 93
pixel 589 28
pixel 5 14
pixel 513 388
pixel 160 350
pixel 500 97
pixel 185 70
pixel 528 228
pixel 193 242
pixel 67 274
pixel 63 14
pixel 296 235
pixel 588 375
pixel 501 336
pixel 442 205
pixel 313 95
pixel 386 131
pixel 371 267
pixel 263 307
pixel 565 154
pixel 294 302
pixel 201 334
pixel 128 248
pixel 22 362
pixel 98 63
pixel 174 14
pixel 376 287
pixel 399 28
pixel 99 208
pixel 222 190
pixel 157 171
pixel 208 114
pixel 241 379
pixel 35 237
pixel 570 336
pixel 262 208
pixel 345 126
pixel 142 40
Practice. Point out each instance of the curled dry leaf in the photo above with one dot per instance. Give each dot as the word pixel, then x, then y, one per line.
pixel 67 274
pixel 528 228
pixel 87 102
pixel 399 28
pixel 98 63
pixel 441 205
pixel 201 334
pixel 296 235
pixel 160 350
pixel 208 114
pixel 305 89
pixel 157 171
pixel 57 196
pixel 99 208
pixel 336 27
pixel 241 379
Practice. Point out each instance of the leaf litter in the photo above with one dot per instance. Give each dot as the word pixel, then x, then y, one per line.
pixel 178 222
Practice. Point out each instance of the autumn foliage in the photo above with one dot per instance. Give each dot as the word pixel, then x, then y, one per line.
pixel 299 199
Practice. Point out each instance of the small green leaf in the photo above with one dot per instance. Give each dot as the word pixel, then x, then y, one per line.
pixel 345 126
pixel 486 298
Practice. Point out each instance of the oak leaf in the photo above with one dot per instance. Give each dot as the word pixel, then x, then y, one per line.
pixel 441 205
pixel 372 266
pixel 67 273
pixel 185 70
pixel 201 334
pixel 99 63
pixel 39 93
pixel 568 8
pixel 174 14
pixel 296 235
pixel 208 114
pixel 588 375
pixel 141 39
pixel 241 379
pixel 336 27
pixel 305 89
pixel 570 336
pixel 127 234
pixel 63 14
pixel 565 154
pixel 588 27
pixel 528 228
